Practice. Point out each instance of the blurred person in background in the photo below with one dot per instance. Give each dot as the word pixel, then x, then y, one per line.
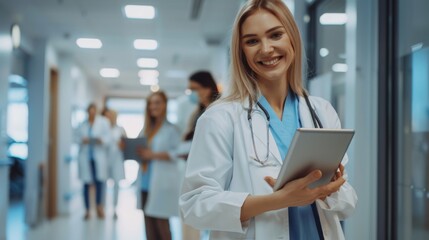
pixel 204 92
pixel 93 138
pixel 160 174
pixel 115 155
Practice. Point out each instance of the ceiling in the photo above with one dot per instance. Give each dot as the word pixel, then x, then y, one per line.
pixel 184 44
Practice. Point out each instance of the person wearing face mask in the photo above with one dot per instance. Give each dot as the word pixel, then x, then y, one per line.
pixel 204 91
pixel 240 142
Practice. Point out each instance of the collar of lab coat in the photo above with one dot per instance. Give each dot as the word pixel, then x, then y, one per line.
pixel 260 129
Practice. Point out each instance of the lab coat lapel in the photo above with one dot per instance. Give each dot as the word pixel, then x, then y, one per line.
pixel 260 134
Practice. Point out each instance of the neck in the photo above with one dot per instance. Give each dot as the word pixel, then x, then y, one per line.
pixel 205 102
pixel 275 95
pixel 159 120
pixel 91 119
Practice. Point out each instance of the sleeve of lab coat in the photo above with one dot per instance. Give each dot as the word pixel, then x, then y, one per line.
pixel 344 201
pixel 205 202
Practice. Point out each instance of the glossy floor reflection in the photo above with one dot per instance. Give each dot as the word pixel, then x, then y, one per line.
pixel 128 225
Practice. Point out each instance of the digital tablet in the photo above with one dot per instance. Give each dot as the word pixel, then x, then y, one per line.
pixel 131 146
pixel 311 149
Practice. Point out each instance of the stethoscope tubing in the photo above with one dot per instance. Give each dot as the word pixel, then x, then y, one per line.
pixel 316 121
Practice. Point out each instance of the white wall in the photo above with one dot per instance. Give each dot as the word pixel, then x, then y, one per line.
pixel 38 114
pixel 76 91
pixel 5 67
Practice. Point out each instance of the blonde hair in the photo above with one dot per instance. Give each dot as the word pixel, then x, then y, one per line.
pixel 151 127
pixel 243 82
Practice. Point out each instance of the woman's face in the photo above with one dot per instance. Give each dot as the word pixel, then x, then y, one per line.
pixel 92 111
pixel 266 46
pixel 203 93
pixel 157 106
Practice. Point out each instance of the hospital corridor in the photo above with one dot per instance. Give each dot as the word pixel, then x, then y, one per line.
pixel 162 119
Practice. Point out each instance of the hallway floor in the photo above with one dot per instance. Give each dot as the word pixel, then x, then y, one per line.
pixel 128 225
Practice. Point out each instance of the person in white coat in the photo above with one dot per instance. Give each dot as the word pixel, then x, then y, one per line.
pixel 115 154
pixel 93 138
pixel 161 173
pixel 238 148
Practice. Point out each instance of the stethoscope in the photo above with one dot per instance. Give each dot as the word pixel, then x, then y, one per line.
pixel 316 121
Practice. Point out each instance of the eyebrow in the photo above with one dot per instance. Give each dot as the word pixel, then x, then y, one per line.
pixel 269 30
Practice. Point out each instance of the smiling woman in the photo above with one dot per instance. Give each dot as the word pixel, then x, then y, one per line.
pixel 223 181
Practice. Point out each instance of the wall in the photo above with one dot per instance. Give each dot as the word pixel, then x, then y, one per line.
pixel 38 114
pixel 5 64
pixel 75 92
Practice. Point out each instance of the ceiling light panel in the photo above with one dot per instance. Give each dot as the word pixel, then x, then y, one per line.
pixel 148 73
pixel 140 11
pixel 109 72
pixel 333 19
pixel 145 44
pixel 147 62
pixel 89 43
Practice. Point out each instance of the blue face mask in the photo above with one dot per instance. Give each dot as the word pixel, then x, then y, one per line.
pixel 194 97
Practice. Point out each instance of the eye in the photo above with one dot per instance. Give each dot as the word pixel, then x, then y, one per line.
pixel 251 41
pixel 277 35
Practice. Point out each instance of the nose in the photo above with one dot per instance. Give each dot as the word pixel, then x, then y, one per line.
pixel 266 47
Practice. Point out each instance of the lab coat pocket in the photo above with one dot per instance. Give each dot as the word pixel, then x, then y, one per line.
pixel 269 168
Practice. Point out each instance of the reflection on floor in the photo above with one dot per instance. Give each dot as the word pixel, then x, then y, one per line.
pixel 128 225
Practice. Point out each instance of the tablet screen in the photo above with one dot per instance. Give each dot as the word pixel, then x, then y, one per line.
pixel 311 149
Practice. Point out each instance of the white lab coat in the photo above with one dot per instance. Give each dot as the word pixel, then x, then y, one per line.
pixel 115 155
pixel 100 129
pixel 221 173
pixel 166 176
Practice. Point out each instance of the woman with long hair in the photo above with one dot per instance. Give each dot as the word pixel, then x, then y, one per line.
pixel 160 175
pixel 240 142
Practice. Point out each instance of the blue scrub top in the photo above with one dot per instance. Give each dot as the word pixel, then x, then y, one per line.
pixel 304 222
pixel 145 178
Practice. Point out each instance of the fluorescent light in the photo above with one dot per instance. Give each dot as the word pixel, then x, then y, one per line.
pixel 417 46
pixel 154 88
pixel 333 19
pixel 109 72
pixel 89 43
pixel 324 52
pixel 148 81
pixel 16 35
pixel 140 11
pixel 145 44
pixel 148 73
pixel 147 62
pixel 339 67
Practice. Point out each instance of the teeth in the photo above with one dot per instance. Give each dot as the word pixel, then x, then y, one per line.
pixel 271 62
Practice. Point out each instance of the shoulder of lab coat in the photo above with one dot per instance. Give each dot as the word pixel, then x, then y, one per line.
pixel 205 201
pixel 344 201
